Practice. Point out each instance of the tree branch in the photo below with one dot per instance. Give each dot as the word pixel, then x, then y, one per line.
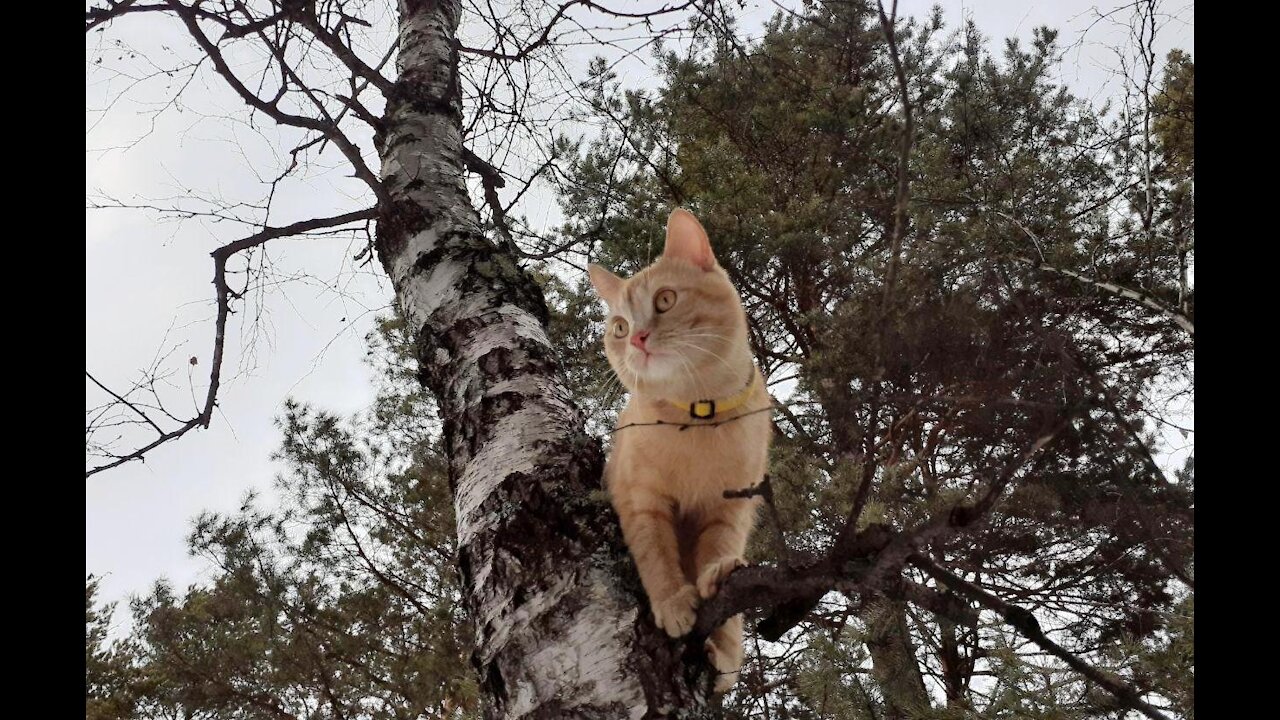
pixel 1024 622
pixel 271 109
pixel 904 154
pixel 224 295
pixel 860 564
pixel 1178 317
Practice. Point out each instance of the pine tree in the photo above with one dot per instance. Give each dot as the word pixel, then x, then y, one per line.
pixel 342 602
pixel 786 149
pixel 114 681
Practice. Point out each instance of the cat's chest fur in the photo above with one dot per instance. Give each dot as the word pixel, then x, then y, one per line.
pixel 692 467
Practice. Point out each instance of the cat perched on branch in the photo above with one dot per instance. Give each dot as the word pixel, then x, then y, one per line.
pixel 677 338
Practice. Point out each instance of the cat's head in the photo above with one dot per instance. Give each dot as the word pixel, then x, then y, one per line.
pixel 676 328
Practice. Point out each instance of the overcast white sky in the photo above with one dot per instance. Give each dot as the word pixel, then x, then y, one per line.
pixel 146 279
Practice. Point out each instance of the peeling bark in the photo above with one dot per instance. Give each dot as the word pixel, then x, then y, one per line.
pixel 561 627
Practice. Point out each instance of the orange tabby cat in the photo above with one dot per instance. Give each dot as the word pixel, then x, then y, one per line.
pixel 677 338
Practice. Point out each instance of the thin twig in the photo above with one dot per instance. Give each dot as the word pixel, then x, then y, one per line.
pixel 224 295
pixel 1023 621
pixel 764 489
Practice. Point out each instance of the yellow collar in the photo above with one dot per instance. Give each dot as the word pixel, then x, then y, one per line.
pixel 708 409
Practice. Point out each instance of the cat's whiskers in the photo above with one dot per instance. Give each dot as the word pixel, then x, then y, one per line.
pixel 687 334
pixel 612 388
pixel 701 328
pixel 687 365
pixel 694 334
pixel 700 335
pixel 715 355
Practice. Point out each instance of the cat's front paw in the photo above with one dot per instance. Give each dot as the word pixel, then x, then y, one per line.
pixel 714 573
pixel 676 612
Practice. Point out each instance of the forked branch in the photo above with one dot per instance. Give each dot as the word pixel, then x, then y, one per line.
pixel 1024 622
pixel 224 295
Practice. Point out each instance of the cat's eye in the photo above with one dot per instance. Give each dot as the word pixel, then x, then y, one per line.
pixel 664 300
pixel 619 328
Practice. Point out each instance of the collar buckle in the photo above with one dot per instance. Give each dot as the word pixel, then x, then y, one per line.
pixel 702 409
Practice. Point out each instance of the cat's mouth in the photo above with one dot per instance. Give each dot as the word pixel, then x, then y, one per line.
pixel 643 357
pixel 644 361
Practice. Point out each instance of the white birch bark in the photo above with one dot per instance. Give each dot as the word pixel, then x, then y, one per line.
pixel 550 589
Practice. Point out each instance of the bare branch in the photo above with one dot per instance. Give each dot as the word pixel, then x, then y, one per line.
pixel 864 562
pixel 343 52
pixel 124 402
pixel 1024 622
pixel 224 294
pixel 544 37
pixel 271 109
pixel 1176 316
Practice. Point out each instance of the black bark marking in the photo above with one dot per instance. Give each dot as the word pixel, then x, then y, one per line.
pixel 398 222
pixel 497 686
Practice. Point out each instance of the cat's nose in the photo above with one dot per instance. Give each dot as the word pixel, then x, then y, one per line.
pixel 638 339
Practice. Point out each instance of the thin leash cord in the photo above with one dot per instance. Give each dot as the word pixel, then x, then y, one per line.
pixel 682 426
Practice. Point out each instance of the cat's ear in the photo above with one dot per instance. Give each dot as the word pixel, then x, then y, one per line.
pixel 687 240
pixel 605 282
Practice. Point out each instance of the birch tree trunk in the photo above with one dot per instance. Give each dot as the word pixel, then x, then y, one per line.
pixel 550 588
